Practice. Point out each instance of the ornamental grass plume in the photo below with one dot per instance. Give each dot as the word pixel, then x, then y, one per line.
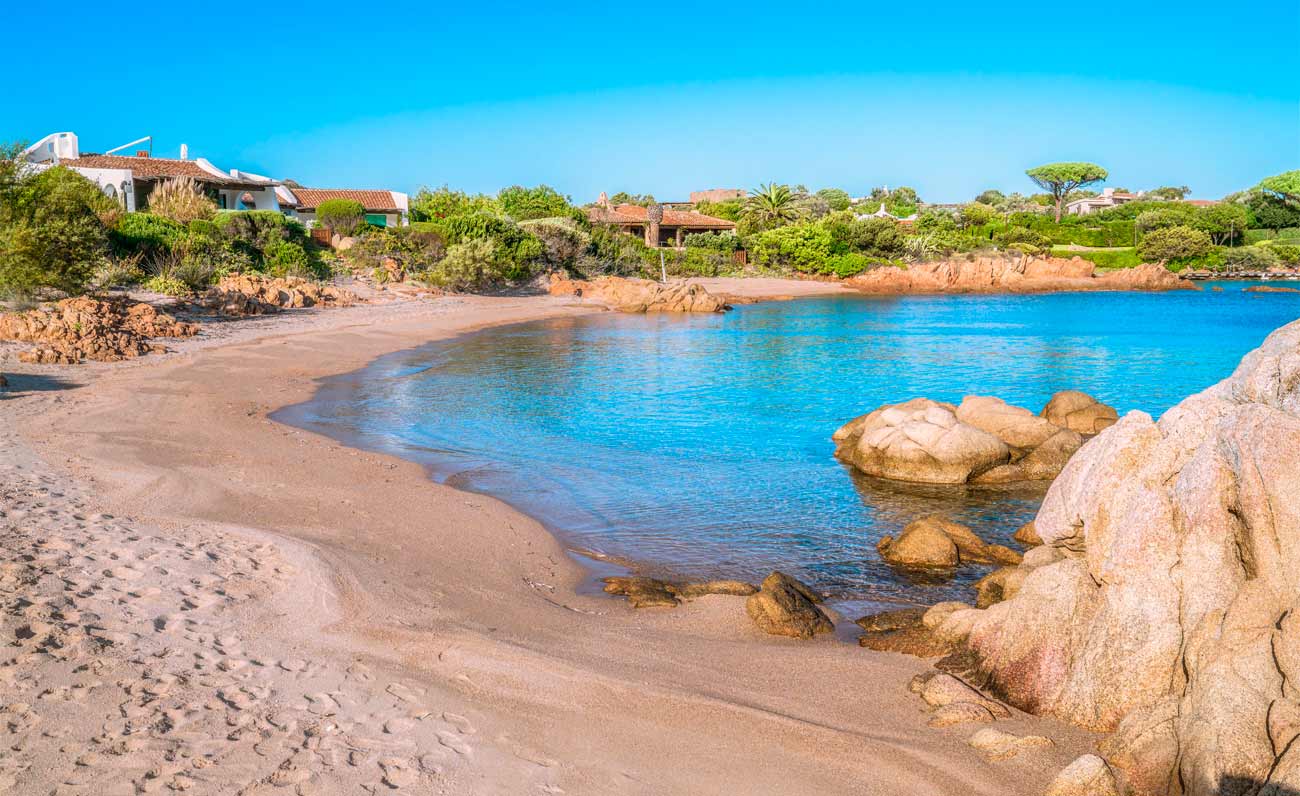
pixel 181 200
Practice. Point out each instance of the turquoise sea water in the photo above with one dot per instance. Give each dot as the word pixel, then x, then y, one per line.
pixel 700 445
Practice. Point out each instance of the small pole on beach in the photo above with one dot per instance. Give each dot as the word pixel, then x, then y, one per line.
pixel 663 269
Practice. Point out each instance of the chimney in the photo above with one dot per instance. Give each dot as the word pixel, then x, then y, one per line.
pixel 185 152
pixel 603 201
pixel 142 153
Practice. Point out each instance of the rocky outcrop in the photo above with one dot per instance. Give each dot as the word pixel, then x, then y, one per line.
pixel 1013 274
pixel 1027 535
pixel 640 295
pixel 255 294
pixel 1079 411
pixel 921 441
pixel 785 607
pixel 103 330
pixel 1271 289
pixel 1087 776
pixel 936 541
pixel 982 441
pixel 1162 604
pixel 997 745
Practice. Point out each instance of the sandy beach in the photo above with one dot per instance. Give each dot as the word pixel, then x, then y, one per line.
pixel 201 599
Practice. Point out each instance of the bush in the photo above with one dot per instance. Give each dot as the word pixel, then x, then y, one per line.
pixel 414 248
pixel 1250 258
pixel 976 214
pixel 341 216
pixel 516 249
pixel 720 242
pixel 181 200
pixel 1286 252
pixel 852 264
pixel 145 233
pixel 731 210
pixel 445 203
pixel 166 285
pixel 52 229
pixel 284 258
pixel 876 236
pixel 1023 239
pixel 467 266
pixel 118 272
pixel 562 241
pixel 525 204
pixel 1174 244
pixel 803 247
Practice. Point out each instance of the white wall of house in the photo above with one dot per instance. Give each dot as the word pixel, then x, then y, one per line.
pixel 116 184
pixel 262 198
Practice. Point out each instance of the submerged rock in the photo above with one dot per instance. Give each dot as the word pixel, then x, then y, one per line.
pixel 1163 602
pixel 936 541
pixel 735 588
pixel 640 295
pixel 785 607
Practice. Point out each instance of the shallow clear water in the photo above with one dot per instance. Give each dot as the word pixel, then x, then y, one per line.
pixel 700 445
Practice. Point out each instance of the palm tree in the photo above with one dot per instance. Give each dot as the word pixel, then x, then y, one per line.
pixel 770 206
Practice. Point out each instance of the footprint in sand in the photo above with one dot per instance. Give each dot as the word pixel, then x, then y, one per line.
pixel 454 742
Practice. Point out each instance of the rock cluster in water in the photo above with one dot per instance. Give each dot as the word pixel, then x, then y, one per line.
pixel 1162 603
pixel 984 440
pixel 640 295
pixel 1014 274
pixel 255 294
pixel 104 330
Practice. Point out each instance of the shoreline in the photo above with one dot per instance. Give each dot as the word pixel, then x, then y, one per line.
pixel 491 618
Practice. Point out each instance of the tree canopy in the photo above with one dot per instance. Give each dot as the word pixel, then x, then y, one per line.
pixel 770 205
pixel 1059 179
pixel 522 203
pixel 837 198
pixel 1285 185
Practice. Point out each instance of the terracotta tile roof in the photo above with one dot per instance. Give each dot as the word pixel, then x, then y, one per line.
pixel 373 201
pixel 150 168
pixel 636 214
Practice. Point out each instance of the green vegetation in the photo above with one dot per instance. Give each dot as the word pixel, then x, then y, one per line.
pixel 54 228
pixel 1108 258
pixel 341 216
pixel 1175 244
pixel 1062 179
pixel 524 204
pixel 181 200
pixel 1285 186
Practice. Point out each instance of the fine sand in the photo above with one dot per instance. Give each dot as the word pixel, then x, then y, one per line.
pixel 197 598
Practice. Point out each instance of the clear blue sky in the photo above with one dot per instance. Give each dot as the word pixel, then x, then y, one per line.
pixel 950 98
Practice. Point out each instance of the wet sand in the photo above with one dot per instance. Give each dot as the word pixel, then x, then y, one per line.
pixel 380 629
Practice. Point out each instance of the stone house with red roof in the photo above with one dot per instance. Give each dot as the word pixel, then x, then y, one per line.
pixel 657 225
pixel 383 208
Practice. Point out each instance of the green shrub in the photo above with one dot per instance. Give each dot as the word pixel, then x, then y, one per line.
pixel 204 228
pixel 414 248
pixel 802 247
pixel 852 264
pixel 976 214
pixel 444 203
pixel 145 232
pixel 341 216
pixel 284 258
pixel 516 249
pixel 1023 239
pixel 1258 235
pixel 730 210
pixel 524 204
pixel 52 229
pixel 1288 253
pixel 169 286
pixel 467 266
pixel 721 242
pixel 1174 244
pixel 118 272
pixel 562 241
pixel 1250 258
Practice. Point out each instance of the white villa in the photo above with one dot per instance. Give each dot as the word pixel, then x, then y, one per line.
pixel 1108 198
pixel 130 178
